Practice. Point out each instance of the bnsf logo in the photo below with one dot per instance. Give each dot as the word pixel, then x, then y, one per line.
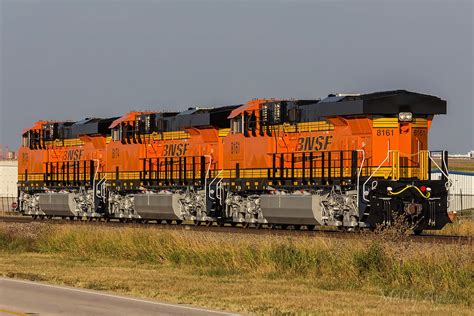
pixel 75 154
pixel 175 150
pixel 313 143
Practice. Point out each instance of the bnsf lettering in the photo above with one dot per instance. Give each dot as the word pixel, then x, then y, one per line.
pixel 175 150
pixel 75 154
pixel 313 143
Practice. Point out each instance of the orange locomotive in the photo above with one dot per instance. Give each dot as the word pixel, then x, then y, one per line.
pixel 350 161
pixel 58 168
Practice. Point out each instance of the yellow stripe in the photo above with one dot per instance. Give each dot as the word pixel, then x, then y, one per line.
pixel 314 126
pixel 223 132
pixel 420 123
pixel 175 135
pixel 385 122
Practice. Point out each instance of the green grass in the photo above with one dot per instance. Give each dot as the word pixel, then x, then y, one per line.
pixel 441 273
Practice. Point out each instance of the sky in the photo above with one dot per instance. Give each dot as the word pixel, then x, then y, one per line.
pixel 71 59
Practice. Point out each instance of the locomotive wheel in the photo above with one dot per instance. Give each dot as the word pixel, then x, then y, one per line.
pixel 258 225
pixel 284 226
pixel 34 216
pixel 197 223
pixel 179 222
pixel 310 227
pixel 245 225
pixel 269 226
pixel 208 223
pixel 297 227
pixel 220 223
pixel 169 221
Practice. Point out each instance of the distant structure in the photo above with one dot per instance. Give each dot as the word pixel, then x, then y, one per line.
pixel 7 154
pixel 469 155
pixel 8 178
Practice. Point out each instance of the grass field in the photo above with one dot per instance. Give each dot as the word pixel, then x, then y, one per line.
pixel 459 164
pixel 461 226
pixel 258 274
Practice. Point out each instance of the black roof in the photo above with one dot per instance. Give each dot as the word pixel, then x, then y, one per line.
pixel 91 126
pixel 381 103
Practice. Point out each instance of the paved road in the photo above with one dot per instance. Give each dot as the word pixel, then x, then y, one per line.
pixel 19 297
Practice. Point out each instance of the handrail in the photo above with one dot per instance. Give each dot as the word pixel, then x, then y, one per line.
pixel 95 174
pixel 373 173
pixel 219 189
pixel 205 179
pixel 218 174
pixel 359 173
pixel 446 174
pixel 98 192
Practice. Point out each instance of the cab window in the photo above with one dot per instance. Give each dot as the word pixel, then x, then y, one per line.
pixel 25 141
pixel 117 133
pixel 236 124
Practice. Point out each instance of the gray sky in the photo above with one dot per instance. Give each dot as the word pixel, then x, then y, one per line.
pixel 74 59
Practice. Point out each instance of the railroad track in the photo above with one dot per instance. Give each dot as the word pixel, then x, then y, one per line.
pixel 444 239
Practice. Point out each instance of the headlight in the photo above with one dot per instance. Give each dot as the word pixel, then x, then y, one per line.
pixel 405 116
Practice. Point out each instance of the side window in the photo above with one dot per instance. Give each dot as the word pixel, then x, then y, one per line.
pixel 236 124
pixel 116 133
pixel 25 141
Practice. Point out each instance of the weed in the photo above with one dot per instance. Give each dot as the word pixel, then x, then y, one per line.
pixel 384 262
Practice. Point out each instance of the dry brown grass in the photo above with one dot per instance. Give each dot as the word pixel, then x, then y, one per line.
pixel 259 274
pixel 462 226
pixel 459 164
pixel 188 285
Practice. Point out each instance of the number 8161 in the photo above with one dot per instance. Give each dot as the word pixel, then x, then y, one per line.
pixel 385 132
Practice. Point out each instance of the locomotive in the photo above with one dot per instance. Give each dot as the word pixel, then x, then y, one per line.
pixel 348 160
